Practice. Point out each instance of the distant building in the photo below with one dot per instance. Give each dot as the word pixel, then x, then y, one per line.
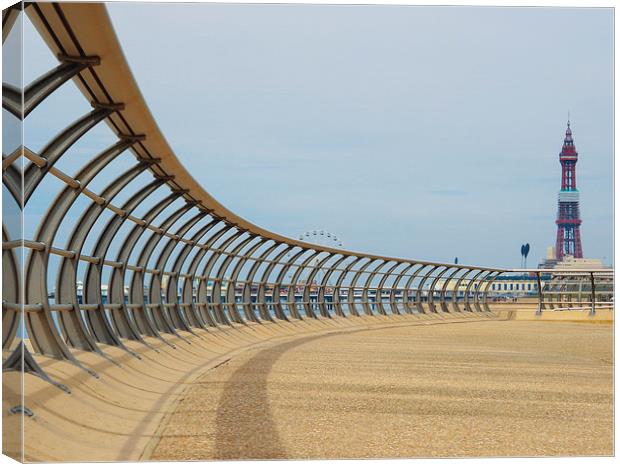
pixel 570 262
pixel 515 285
pixel 503 285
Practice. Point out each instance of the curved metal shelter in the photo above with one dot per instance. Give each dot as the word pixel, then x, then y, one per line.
pixel 170 257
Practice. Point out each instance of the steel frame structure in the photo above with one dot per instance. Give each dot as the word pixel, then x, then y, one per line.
pixel 577 290
pixel 568 239
pixel 191 268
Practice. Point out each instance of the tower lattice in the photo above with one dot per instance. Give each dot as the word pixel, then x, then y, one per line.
pixel 568 240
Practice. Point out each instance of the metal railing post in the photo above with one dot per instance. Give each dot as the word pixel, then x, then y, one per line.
pixel 540 294
pixel 593 290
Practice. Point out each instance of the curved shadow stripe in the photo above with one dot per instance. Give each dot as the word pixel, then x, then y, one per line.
pixel 245 427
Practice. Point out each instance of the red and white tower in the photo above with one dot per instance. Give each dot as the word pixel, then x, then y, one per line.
pixel 568 241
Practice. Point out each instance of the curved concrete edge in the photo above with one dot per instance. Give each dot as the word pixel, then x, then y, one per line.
pixel 121 415
pixel 602 316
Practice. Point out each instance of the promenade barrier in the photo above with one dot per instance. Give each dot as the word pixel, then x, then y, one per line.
pixel 143 261
pixel 185 263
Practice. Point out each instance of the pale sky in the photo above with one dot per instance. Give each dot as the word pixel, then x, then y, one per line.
pixel 420 132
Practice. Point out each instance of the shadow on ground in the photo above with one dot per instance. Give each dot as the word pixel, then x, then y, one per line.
pixel 245 427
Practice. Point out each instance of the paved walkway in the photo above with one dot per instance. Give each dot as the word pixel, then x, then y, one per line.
pixel 424 385
pixel 469 389
pixel 120 414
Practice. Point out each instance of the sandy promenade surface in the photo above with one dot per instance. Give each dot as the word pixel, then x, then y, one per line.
pixel 492 388
pixel 118 413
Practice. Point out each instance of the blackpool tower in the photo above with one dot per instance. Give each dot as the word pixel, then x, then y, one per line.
pixel 568 241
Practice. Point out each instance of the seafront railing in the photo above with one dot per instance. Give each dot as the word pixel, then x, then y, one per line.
pixel 130 219
pixel 576 289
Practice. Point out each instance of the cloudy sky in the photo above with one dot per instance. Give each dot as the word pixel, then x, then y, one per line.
pixel 422 132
